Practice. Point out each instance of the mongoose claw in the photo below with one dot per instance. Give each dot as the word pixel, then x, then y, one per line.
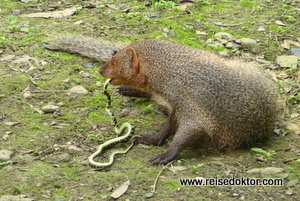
pixel 160 159
pixel 165 157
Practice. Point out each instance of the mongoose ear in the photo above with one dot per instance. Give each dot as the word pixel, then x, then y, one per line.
pixel 134 59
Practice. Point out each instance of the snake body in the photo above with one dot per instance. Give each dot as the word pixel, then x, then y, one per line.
pixel 118 130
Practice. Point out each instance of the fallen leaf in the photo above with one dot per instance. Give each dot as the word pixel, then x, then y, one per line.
pixel 280 23
pixel 120 190
pixel 10 123
pixel 55 14
pixel 23 151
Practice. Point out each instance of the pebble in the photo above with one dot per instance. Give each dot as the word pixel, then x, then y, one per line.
pixel 289 192
pixel 201 33
pixel 5 155
pixel 287 61
pixel 224 53
pixel 266 171
pixel 295 51
pixel 50 108
pixel 248 42
pixel 231 45
pixel 223 35
pixel 89 65
pixel 84 74
pixel 79 90
pixel 27 95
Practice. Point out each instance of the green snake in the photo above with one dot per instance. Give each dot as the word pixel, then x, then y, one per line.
pixel 123 138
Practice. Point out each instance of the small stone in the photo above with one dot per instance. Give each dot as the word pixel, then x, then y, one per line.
pixel 152 15
pixel 248 42
pixel 50 108
pixel 282 75
pixel 223 41
pixel 224 53
pixel 209 41
pixel 27 95
pixel 149 195
pixel 67 81
pixel 265 171
pixel 5 155
pixel 5 137
pixel 223 35
pixel 295 51
pixel 202 33
pixel 289 192
pixel 89 65
pixel 79 22
pixel 84 74
pixel 261 28
pixel 79 90
pixel 287 61
pixel 231 45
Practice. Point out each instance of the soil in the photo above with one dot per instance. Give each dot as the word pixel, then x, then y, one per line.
pixel 50 149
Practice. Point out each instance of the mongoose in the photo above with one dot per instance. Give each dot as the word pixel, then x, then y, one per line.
pixel 231 102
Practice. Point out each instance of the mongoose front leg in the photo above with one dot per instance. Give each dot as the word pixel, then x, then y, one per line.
pixel 131 92
pixel 183 136
pixel 169 128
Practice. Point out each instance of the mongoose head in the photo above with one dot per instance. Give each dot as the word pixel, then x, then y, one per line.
pixel 124 68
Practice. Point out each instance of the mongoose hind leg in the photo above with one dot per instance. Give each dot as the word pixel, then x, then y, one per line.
pixel 131 92
pixel 183 137
pixel 169 128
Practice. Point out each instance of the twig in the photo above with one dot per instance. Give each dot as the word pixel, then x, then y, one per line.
pixel 227 25
pixel 49 91
pixel 156 179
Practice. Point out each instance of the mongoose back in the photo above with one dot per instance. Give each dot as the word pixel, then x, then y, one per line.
pixel 231 102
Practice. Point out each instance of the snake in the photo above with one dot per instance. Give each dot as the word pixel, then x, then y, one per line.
pixel 118 130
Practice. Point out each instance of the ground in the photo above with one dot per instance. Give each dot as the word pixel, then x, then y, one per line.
pixel 50 150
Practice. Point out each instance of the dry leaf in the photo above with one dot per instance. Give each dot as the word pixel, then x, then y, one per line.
pixel 120 190
pixel 10 123
pixel 55 14
pixel 23 151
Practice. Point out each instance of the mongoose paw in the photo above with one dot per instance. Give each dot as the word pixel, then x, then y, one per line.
pixel 148 140
pixel 163 158
pixel 128 91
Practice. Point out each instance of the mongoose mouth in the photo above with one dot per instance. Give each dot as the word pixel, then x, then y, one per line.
pixel 115 81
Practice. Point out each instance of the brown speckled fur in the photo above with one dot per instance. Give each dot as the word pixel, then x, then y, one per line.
pixel 229 101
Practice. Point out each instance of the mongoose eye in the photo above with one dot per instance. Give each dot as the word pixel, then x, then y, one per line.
pixel 114 52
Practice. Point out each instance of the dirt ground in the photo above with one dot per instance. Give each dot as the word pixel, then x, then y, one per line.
pixel 48 151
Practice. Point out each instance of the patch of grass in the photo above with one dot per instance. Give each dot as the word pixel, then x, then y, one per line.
pixel 248 3
pixel 170 184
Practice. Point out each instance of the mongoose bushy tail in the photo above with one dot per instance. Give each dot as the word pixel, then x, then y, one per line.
pixel 233 103
pixel 98 50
